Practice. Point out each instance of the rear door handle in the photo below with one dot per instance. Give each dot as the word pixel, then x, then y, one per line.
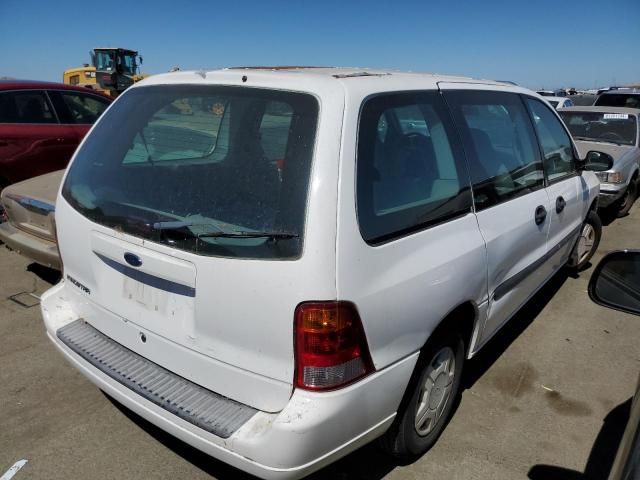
pixel 560 204
pixel 541 215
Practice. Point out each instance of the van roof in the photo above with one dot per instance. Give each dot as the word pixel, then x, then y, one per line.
pixel 309 76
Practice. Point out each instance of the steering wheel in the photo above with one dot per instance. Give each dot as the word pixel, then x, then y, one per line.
pixel 414 135
pixel 612 136
pixel 413 138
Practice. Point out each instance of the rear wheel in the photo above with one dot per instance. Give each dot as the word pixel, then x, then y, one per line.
pixel 429 399
pixel 587 243
pixel 627 200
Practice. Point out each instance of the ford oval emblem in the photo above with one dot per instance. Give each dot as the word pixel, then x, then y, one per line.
pixel 132 259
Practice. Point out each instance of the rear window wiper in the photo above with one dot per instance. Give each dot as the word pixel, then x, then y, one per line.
pixel 180 224
pixel 250 234
pixel 220 233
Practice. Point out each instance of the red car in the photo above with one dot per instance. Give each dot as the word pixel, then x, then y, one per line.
pixel 41 124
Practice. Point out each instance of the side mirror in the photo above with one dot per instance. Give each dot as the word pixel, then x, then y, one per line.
pixel 596 162
pixel 140 58
pixel 615 282
pixel 93 57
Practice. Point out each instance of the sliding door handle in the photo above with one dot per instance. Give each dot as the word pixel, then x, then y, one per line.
pixel 540 215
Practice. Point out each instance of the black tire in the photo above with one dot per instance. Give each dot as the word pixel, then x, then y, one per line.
pixel 575 262
pixel 402 440
pixel 626 202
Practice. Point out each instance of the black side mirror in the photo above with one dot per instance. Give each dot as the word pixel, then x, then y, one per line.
pixel 615 282
pixel 596 162
pixel 140 58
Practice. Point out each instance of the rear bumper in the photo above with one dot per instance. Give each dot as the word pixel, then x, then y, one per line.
pixel 313 429
pixel 37 249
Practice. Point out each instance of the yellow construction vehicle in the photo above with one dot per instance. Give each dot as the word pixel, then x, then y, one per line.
pixel 113 70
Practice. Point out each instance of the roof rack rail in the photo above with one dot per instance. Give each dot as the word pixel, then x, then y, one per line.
pixel 360 74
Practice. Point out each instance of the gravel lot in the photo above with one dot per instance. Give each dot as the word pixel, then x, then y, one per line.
pixel 546 399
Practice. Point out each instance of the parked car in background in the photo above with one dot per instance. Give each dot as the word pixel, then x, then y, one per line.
pixel 559 102
pixel 237 278
pixel 29 227
pixel 41 124
pixel 558 92
pixel 615 131
pixel 619 98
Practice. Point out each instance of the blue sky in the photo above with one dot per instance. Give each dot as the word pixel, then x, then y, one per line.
pixel 539 43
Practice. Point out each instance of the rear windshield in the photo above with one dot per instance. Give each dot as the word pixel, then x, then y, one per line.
pixel 631 100
pixel 213 170
pixel 618 128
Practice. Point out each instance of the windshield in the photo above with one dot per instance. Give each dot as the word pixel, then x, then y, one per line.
pixel 127 62
pixel 209 169
pixel 631 100
pixel 619 128
pixel 104 60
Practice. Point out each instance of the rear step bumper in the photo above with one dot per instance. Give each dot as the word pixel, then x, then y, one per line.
pixel 203 408
pixel 312 431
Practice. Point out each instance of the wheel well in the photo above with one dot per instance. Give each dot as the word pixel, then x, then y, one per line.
pixel 594 205
pixel 461 319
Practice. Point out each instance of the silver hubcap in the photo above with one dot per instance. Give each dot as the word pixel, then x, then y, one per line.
pixel 435 391
pixel 586 242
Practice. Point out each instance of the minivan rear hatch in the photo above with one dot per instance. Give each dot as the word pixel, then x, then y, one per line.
pixel 183 217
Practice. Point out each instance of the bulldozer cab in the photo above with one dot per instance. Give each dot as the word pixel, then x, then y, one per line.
pixel 115 68
pixel 118 60
pixel 112 71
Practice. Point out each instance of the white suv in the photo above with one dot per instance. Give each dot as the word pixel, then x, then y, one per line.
pixel 301 260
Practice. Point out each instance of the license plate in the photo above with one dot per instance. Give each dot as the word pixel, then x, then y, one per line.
pixel 146 296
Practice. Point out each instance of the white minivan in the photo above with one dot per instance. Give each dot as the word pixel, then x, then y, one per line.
pixel 279 265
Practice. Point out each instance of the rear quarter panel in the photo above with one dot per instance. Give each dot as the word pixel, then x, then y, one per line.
pixel 403 289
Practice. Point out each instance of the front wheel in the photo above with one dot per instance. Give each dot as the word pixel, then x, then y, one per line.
pixel 627 200
pixel 587 243
pixel 429 399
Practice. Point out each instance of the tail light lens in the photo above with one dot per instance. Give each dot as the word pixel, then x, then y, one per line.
pixel 330 346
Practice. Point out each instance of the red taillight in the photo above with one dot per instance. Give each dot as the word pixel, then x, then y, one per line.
pixel 330 346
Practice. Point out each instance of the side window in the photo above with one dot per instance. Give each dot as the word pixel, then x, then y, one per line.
pixel 25 107
pixel 554 140
pixel 504 160
pixel 83 109
pixel 409 169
